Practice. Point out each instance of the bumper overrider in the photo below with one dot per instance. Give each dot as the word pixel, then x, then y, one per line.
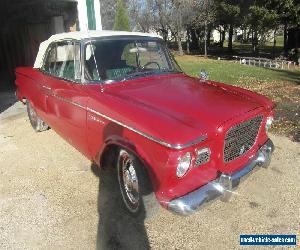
pixel 223 186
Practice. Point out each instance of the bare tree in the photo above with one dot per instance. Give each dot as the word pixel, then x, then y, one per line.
pixel 183 15
pixel 205 17
pixel 173 17
pixel 108 9
pixel 162 14
pixel 141 12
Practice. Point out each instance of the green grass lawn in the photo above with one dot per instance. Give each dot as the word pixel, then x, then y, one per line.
pixel 230 72
pixel 282 86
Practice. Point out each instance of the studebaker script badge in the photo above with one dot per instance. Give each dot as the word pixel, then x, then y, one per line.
pixel 94 118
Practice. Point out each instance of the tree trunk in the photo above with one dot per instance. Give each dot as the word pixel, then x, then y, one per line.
pixel 208 37
pixel 297 37
pixel 223 38
pixel 179 29
pixel 188 41
pixel 205 39
pixel 230 35
pixel 199 41
pixel 248 34
pixel 179 43
pixel 254 42
pixel 274 44
pixel 297 54
pixel 194 40
pixel 285 48
pixel 244 34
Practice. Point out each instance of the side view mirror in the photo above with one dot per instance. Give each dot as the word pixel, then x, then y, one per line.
pixel 203 74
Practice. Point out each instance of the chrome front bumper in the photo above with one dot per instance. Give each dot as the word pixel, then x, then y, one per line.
pixel 221 187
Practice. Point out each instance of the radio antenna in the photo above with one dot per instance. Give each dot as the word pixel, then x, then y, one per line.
pixel 93 52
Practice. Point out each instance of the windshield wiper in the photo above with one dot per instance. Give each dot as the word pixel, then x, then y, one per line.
pixel 147 73
pixel 138 74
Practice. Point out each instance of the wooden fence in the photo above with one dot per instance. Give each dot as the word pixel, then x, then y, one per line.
pixel 267 63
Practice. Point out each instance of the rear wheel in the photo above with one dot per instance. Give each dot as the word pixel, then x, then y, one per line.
pixel 135 186
pixel 36 122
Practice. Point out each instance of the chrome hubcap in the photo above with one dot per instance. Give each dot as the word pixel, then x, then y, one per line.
pixel 129 181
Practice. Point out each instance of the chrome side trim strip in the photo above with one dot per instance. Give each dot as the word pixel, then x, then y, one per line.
pixel 68 101
pixel 150 137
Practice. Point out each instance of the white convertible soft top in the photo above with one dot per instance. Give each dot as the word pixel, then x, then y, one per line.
pixel 79 35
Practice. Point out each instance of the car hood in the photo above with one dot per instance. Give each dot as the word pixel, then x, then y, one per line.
pixel 186 100
pixel 173 108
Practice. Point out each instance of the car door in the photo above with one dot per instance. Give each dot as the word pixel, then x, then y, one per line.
pixel 37 94
pixel 66 101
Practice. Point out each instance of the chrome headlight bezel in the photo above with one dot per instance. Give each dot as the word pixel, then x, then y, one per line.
pixel 184 163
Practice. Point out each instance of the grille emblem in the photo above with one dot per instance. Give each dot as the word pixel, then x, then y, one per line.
pixel 242 150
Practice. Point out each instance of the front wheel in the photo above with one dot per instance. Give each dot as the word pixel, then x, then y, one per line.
pixel 135 186
pixel 36 122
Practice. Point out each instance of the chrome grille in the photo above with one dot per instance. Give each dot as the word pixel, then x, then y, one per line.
pixel 240 138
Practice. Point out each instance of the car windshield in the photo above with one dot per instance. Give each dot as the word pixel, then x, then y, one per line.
pixel 110 60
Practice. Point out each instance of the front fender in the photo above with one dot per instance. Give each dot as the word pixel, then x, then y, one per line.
pixel 139 150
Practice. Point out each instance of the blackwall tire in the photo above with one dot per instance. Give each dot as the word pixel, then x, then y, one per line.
pixel 137 194
pixel 36 122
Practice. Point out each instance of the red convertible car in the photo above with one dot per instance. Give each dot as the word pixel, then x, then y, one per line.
pixel 171 138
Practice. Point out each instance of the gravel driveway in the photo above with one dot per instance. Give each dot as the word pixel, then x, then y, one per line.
pixel 52 198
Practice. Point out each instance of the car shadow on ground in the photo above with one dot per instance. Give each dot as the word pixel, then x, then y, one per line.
pixel 7 99
pixel 116 228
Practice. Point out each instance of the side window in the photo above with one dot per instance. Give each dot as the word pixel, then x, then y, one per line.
pixel 63 60
pixel 77 62
pixel 91 69
pixel 49 64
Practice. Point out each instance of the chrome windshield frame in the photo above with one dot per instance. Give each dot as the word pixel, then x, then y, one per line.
pixel 170 60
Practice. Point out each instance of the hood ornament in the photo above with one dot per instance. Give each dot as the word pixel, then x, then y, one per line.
pixel 203 75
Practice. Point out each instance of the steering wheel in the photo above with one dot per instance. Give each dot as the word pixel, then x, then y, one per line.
pixel 148 63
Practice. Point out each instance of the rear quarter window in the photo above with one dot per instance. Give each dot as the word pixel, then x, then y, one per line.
pixel 63 60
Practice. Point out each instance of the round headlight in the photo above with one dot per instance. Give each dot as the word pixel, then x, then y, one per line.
pixel 269 122
pixel 183 164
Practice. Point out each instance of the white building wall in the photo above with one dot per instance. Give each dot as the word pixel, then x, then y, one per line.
pixel 82 15
pixel 98 14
